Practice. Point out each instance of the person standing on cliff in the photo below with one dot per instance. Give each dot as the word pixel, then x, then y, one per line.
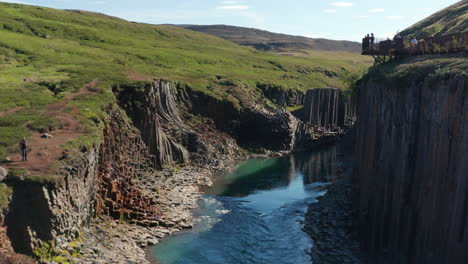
pixel 24 149
pixel 365 43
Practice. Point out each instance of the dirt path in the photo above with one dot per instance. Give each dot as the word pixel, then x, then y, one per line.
pixel 43 152
pixel 10 111
pixel 135 76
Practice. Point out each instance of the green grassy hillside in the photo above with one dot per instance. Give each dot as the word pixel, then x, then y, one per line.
pixel 453 19
pixel 48 54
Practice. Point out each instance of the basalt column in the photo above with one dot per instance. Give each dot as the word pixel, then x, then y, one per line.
pixel 154 112
pixel 328 108
pixel 412 168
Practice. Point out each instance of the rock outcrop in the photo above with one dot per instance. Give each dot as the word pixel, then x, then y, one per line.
pixel 412 163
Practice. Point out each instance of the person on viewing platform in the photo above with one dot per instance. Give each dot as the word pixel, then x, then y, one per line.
pixel 365 43
pixel 399 44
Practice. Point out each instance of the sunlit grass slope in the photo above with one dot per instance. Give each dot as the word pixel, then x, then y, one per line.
pixel 46 54
pixel 453 19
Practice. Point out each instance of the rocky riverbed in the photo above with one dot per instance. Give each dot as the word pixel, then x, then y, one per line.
pixel 114 241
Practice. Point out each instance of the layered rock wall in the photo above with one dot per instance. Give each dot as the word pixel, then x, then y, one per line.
pixel 412 168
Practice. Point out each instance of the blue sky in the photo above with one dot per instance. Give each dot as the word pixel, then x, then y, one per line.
pixel 340 19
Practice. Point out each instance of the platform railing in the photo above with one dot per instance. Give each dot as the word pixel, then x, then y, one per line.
pixel 451 43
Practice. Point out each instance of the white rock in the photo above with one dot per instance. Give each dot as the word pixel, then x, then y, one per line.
pixel 3 173
pixel 46 135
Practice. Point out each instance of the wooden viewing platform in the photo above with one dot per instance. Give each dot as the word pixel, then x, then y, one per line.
pixel 389 49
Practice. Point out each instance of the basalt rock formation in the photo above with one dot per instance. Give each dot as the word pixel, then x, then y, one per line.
pixel 329 109
pixel 124 158
pixel 412 162
pixel 154 112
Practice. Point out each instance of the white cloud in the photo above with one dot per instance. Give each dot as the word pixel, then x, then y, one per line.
pixel 360 16
pixel 343 4
pixel 394 17
pixel 17 2
pixel 329 10
pixel 376 10
pixel 230 2
pixel 233 7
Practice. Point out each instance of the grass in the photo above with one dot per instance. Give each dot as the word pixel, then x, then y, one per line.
pixel 416 69
pixel 46 54
pixel 50 252
pixel 23 174
pixel 453 19
pixel 5 192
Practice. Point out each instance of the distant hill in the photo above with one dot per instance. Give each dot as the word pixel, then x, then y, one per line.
pixel 453 19
pixel 274 42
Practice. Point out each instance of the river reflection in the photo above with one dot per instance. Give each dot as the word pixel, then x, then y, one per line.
pixel 266 174
pixel 254 214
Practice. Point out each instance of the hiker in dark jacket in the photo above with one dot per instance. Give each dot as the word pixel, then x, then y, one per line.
pixel 24 149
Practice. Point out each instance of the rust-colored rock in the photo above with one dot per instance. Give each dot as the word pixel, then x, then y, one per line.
pixel 124 158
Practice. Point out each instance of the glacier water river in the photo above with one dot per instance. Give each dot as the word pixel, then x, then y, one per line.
pixel 255 214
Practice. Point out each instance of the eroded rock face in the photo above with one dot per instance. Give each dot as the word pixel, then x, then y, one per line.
pixel 412 171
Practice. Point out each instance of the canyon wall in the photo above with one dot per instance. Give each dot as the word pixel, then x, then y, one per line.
pixel 412 162
pixel 156 124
